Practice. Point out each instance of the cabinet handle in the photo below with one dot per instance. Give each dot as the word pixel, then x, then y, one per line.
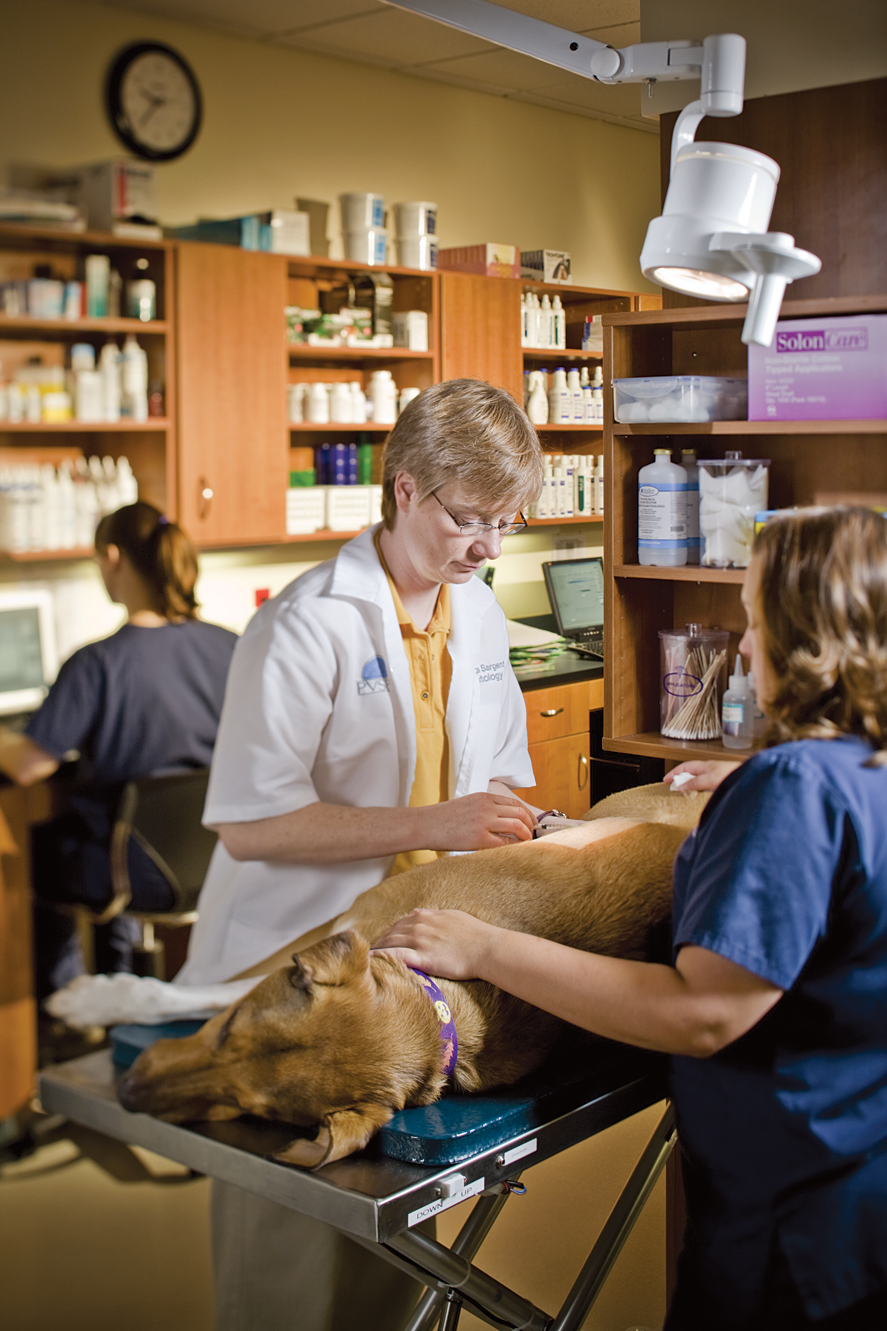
pixel 204 498
pixel 582 774
pixel 552 711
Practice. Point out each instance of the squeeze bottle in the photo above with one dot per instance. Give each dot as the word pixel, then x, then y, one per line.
pixel 736 711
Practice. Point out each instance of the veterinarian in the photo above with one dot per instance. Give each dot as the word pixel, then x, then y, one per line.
pixel 371 721
pixel 145 700
pixel 776 1007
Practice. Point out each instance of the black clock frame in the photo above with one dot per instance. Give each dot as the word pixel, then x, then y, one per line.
pixel 120 120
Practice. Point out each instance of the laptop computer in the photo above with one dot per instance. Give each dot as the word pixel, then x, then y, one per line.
pixel 576 592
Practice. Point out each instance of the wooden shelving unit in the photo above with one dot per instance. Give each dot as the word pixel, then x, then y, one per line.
pixel 810 462
pixel 149 445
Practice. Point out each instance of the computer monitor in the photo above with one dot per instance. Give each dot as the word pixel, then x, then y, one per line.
pixel 28 655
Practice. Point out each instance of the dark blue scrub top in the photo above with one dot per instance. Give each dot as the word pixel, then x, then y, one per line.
pixel 142 702
pixel 787 876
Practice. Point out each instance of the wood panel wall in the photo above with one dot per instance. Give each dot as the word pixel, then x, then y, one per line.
pixel 831 146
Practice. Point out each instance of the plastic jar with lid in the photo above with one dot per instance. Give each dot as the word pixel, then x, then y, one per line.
pixel 732 490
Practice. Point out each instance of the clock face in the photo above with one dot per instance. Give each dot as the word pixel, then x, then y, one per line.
pixel 154 101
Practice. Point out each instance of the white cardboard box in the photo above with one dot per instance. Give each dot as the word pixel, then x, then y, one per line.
pixel 410 329
pixel 305 510
pixel 347 507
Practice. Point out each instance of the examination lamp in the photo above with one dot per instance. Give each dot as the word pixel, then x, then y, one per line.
pixel 712 240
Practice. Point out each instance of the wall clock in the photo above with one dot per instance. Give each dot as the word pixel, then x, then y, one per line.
pixel 153 101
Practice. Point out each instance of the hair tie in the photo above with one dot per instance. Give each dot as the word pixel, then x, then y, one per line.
pixel 163 520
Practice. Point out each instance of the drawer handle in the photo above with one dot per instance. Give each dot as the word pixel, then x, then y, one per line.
pixel 582 775
pixel 552 711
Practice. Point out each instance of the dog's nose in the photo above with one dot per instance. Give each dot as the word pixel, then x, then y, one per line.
pixel 129 1093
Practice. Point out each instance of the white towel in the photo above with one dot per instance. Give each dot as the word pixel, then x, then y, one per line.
pixel 107 1000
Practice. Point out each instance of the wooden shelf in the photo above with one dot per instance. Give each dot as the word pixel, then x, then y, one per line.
pixel 666 428
pixel 558 429
pixel 41 556
pixel 26 326
pixel 653 745
pixel 683 573
pixel 85 427
pixel 560 522
pixel 726 316
pixel 303 352
pixel 309 265
pixel 13 235
pixel 312 427
pixel 567 291
pixel 558 353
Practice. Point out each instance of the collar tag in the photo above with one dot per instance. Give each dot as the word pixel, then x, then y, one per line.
pixel 448 1039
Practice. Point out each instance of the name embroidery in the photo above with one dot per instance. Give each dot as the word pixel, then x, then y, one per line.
pixel 374 677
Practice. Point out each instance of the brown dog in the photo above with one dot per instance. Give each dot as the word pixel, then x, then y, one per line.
pixel 344 1038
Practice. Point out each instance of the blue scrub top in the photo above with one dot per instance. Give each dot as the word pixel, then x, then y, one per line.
pixel 787 1127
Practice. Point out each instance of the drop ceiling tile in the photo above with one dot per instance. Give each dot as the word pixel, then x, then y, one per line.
pixel 246 18
pixel 577 15
pixel 391 36
pixel 502 69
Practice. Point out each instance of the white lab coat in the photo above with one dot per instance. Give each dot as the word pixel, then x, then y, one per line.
pixel 319 706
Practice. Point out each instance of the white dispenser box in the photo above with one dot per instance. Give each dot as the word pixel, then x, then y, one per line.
pixel 347 507
pixel 114 192
pixel 305 510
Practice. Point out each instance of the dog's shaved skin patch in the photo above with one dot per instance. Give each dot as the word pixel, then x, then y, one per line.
pixel 601 830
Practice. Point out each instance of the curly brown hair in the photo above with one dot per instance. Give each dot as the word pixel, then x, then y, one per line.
pixel 468 431
pixel 823 603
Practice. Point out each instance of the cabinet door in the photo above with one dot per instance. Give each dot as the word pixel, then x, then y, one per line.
pixel 233 441
pixel 480 330
pixel 562 775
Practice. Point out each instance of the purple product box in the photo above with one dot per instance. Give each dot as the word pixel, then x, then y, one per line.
pixel 830 369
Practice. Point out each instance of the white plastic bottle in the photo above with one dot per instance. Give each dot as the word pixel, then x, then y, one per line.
pixel 524 321
pixel 545 322
pixel 737 721
pixel 597 395
pixel 134 366
pixel 537 403
pixel 544 507
pixel 598 506
pixel 127 485
pixel 576 398
pixel 560 402
pixel 662 512
pixel 559 324
pixel 109 368
pixel 67 507
pixel 318 404
pixel 569 470
pixel 691 467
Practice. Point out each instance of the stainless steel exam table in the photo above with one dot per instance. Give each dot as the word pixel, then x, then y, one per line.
pixel 377 1199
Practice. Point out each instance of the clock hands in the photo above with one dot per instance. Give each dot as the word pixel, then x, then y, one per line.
pixel 155 102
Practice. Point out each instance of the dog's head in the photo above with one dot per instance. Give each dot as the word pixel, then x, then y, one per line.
pixel 322 1042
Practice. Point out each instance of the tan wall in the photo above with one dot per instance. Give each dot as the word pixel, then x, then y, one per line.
pixel 280 122
pixel 792 45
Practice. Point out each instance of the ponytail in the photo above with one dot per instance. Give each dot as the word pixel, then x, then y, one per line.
pixel 159 551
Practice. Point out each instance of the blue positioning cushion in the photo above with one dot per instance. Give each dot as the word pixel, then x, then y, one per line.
pixel 127 1042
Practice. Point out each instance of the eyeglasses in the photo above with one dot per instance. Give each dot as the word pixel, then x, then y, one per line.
pixel 481 528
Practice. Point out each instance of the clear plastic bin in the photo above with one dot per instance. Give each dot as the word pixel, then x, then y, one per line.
pixel 732 490
pixel 680 398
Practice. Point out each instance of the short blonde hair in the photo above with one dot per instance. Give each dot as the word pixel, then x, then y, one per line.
pixel 823 606
pixel 465 431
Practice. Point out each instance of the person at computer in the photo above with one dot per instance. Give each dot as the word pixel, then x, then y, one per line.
pixel 144 701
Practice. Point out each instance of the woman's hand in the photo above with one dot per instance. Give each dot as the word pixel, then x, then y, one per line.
pixel 706 775
pixel 448 943
pixel 477 822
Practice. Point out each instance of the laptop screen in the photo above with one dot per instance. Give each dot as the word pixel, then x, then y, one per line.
pixel 576 588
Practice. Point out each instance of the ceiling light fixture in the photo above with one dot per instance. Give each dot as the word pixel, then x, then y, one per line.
pixel 712 240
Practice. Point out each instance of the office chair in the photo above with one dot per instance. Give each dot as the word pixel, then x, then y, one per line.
pixel 161 814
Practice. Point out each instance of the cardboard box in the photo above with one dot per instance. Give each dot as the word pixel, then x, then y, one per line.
pixel 282 231
pixel 489 260
pixel 118 196
pixel 545 265
pixel 410 328
pixel 288 231
pixel 821 370
pixel 305 510
pixel 347 507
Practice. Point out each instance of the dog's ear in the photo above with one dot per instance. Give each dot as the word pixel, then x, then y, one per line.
pixel 339 1134
pixel 299 975
pixel 335 960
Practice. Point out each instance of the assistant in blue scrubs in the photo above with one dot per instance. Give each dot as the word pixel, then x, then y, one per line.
pixel 775 1007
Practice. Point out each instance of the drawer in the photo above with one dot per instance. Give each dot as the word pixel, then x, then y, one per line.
pixel 562 710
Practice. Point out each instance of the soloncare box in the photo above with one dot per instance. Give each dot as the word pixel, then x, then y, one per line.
pixel 829 369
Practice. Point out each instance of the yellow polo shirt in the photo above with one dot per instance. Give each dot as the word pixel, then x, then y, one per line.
pixel 430 672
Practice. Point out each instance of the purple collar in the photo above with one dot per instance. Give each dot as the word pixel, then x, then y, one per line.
pixel 448 1038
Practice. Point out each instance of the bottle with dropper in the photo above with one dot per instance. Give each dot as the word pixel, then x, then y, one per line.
pixel 737 719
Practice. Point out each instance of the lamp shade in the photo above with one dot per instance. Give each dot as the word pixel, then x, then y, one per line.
pixel 715 188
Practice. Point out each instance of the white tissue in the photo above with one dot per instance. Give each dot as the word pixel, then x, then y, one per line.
pixel 727 507
pixel 680 780
pixel 105 1000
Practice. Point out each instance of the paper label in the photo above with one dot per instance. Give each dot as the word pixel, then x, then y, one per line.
pixel 518 1152
pixel 444 1203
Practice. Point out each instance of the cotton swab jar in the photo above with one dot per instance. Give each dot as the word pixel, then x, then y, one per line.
pixel 692 667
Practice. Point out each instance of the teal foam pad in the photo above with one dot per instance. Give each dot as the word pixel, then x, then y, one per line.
pixel 127 1042
pixel 458 1127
